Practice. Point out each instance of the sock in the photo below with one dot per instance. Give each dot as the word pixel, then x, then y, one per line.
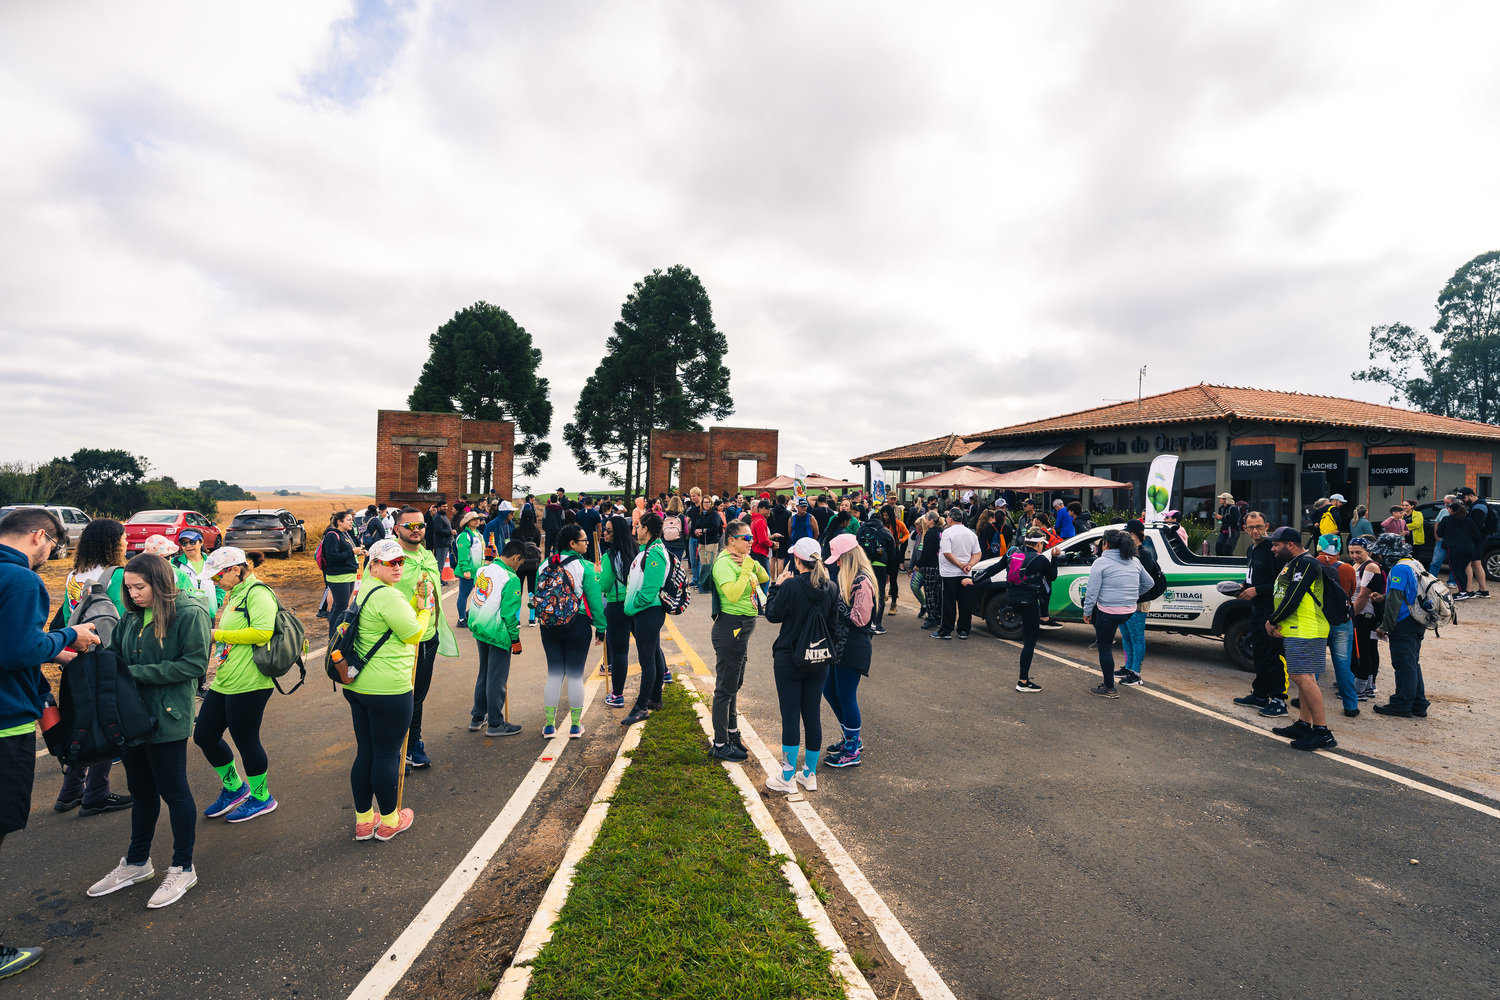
pixel 811 764
pixel 368 816
pixel 789 761
pixel 230 777
pixel 1324 728
pixel 391 819
pixel 258 787
pixel 734 737
pixel 552 716
pixel 577 714
pixel 851 738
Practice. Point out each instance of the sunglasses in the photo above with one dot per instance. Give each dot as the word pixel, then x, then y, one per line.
pixel 413 525
pixel 398 561
pixel 743 538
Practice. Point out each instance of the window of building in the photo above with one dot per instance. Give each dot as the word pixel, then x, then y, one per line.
pixel 1272 497
pixel 1195 490
pixel 1485 486
pixel 1132 499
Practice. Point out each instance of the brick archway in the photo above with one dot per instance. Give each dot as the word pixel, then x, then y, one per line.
pixel 402 435
pixel 710 459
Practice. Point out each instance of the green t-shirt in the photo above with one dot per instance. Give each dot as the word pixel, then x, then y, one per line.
pixel 390 671
pixel 1306 620
pixel 249 606
pixel 736 584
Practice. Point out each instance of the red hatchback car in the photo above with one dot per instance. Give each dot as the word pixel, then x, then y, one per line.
pixel 170 523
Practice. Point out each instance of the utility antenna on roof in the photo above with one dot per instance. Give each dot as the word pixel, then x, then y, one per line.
pixel 1140 383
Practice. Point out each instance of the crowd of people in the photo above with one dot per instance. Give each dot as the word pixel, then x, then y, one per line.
pixel 595 573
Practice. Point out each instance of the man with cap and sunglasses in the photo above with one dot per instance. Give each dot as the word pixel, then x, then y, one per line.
pixel 1229 525
pixel 1299 621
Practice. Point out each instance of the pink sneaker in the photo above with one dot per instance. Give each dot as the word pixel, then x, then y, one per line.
pixel 384 832
pixel 365 831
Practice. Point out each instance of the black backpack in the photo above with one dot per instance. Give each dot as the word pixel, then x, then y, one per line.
pixel 813 649
pixel 1158 579
pixel 1335 602
pixel 345 631
pixel 100 708
pixel 869 539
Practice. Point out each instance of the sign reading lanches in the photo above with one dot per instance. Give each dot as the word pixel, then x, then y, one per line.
pixel 1334 463
pixel 1393 470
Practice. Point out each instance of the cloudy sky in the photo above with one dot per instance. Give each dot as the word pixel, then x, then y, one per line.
pixel 226 231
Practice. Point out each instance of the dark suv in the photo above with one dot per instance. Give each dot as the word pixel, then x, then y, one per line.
pixel 266 531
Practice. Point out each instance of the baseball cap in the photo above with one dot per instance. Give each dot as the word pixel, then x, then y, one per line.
pixel 839 545
pixel 1000 502
pixel 807 549
pixel 387 549
pixel 223 558
pixel 1330 543
pixel 190 535
pixel 1337 496
pixel 505 505
pixel 1136 527
pixel 160 545
pixel 802 502
pixel 1286 533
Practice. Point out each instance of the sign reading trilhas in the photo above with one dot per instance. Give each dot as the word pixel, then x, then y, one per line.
pixel 1159 486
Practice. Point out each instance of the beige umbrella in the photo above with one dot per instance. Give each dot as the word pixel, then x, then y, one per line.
pixel 1050 477
pixel 965 477
pixel 814 482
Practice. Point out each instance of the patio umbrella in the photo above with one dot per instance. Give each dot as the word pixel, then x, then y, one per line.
pixel 1050 477
pixel 814 482
pixel 965 477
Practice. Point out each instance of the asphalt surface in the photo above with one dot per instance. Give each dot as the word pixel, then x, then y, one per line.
pixel 287 904
pixel 1062 845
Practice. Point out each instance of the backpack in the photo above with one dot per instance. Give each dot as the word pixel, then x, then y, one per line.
pixel 1491 521
pixel 318 555
pixel 1158 578
pixel 671 528
pixel 286 646
pixel 1335 603
pixel 813 649
pixel 101 714
pixel 1434 607
pixel 96 607
pixel 674 590
pixel 556 599
pixel 345 631
pixel 869 539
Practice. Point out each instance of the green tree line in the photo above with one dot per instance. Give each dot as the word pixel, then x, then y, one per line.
pixel 109 483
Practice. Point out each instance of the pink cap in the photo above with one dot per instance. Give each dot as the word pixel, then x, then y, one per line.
pixel 840 545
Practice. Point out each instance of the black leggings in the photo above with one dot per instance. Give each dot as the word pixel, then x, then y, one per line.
pixel 157 773
pixel 880 580
pixel 1365 663
pixel 380 724
pixel 426 657
pixel 801 697
pixel 1105 626
pixel 617 645
pixel 646 627
pixel 1031 626
pixel 339 593
pixel 241 715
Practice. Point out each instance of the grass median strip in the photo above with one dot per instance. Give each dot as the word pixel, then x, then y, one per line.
pixel 679 897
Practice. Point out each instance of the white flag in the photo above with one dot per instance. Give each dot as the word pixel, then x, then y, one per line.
pixel 1159 486
pixel 877 481
pixel 799 482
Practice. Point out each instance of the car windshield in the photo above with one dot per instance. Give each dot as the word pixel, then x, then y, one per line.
pixel 154 517
pixel 255 521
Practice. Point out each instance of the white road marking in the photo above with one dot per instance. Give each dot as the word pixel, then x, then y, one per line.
pixel 811 908
pixel 1399 779
pixel 517 978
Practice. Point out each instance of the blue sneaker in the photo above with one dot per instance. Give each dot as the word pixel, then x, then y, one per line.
pixel 834 748
pixel 227 800
pixel 1253 701
pixel 844 758
pixel 417 756
pixel 614 701
pixel 666 678
pixel 574 732
pixel 548 732
pixel 1275 710
pixel 251 808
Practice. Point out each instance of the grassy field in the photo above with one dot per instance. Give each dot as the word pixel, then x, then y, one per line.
pixel 679 897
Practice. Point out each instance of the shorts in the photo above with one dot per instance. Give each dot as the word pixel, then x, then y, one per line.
pixel 1305 656
pixel 17 773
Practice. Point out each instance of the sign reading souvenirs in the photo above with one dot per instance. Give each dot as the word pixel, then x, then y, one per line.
pixel 1334 463
pixel 1393 470
pixel 1252 461
pixel 1139 445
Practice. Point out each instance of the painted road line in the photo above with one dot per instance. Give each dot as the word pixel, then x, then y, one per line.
pixel 517 978
pixel 699 667
pixel 398 958
pixel 919 971
pixel 808 904
pixel 1399 779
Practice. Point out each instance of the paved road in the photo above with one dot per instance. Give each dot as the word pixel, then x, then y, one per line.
pixel 1061 845
pixel 288 905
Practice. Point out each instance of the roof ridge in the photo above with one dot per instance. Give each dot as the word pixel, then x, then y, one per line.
pixel 1213 397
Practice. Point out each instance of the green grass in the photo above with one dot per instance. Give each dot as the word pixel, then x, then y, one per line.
pixel 678 897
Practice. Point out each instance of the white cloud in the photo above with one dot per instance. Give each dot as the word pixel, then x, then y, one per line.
pixel 228 232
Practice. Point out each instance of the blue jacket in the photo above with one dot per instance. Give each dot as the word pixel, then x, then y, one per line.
pixel 498 529
pixel 24 642
pixel 1064 524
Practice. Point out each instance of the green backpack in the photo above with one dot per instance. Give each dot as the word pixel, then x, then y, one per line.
pixel 286 647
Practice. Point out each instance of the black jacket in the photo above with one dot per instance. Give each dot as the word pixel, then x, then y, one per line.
pixel 1263 569
pixel 928 557
pixel 1036 572
pixel 790 604
pixel 338 554
pixel 442 531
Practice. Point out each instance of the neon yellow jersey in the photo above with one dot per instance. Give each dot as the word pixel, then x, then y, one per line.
pixel 1306 620
pixel 248 621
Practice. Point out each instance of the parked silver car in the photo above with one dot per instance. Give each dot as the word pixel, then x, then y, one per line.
pixel 73 519
pixel 267 530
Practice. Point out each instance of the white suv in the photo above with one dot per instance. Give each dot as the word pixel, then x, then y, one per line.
pixel 73 519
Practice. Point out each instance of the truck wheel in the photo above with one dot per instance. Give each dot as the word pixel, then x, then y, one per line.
pixel 1002 619
pixel 1237 643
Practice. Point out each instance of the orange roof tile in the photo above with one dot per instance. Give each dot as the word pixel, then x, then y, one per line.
pixel 1231 402
pixel 948 446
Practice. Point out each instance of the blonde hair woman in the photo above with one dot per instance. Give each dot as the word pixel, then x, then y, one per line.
pixel 857 596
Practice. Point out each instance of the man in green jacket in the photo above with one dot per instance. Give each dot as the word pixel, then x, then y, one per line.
pixel 737 579
pixel 495 621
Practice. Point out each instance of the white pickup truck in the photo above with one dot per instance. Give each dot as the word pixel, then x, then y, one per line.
pixel 1192 604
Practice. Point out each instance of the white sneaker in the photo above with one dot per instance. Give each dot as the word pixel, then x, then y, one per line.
pixel 776 783
pixel 807 780
pixel 123 875
pixel 173 887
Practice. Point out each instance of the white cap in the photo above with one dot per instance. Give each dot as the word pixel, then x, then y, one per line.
pixel 386 550
pixel 807 549
pixel 505 506
pixel 224 558
pixel 161 545
pixel 1337 496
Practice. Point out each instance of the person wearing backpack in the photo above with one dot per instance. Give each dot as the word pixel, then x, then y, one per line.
pixel 1341 636
pixel 1404 630
pixel 648 573
pixel 380 696
pixel 737 578
pixel 1484 523
pixel 709 530
pixel 854 581
pixel 1027 573
pixel 879 547
pixel 1366 604
pixel 164 640
pixel 1298 618
pixel 339 554
pixel 891 518
pixel 469 560
pixel 674 530
pixel 1133 631
pixel 238 692
pixel 804 602
pixel 495 621
pixel 98 558
pixel 568 602
pixel 617 555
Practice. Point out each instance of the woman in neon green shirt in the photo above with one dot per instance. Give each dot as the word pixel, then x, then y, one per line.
pixel 237 695
pixel 380 695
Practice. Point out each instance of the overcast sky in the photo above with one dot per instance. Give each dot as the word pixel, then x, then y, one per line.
pixel 226 231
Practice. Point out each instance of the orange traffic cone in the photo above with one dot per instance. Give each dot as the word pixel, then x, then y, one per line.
pixel 448 576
